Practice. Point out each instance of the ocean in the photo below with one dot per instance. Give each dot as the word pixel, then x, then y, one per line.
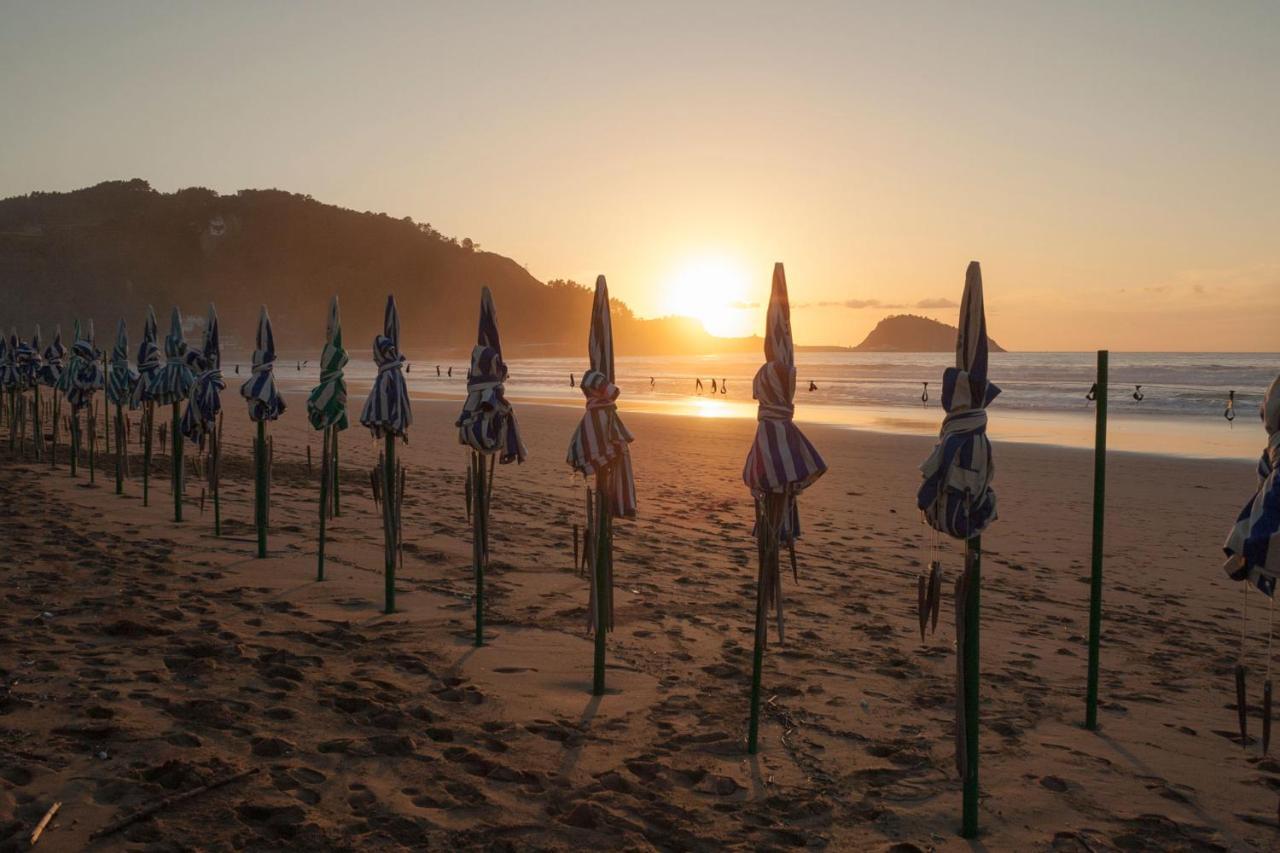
pixel 1181 413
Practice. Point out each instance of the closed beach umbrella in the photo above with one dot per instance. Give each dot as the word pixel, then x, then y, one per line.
pixel 9 382
pixel 81 379
pixel 32 380
pixel 327 411
pixel 170 385
pixel 121 380
pixel 148 363
pixel 956 499
pixel 600 448
pixel 265 404
pixel 1253 549
pixel 488 426
pixel 202 420
pixel 780 465
pixel 50 375
pixel 388 416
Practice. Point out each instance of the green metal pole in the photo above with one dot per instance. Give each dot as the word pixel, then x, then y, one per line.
pixel 148 417
pixel 120 449
pixel 972 617
pixel 757 655
pixel 602 546
pixel 55 428
pixel 389 521
pixel 177 462
pixel 324 499
pixel 75 442
pixel 37 437
pixel 1099 518
pixel 92 418
pixel 337 508
pixel 260 487
pixel 215 464
pixel 477 539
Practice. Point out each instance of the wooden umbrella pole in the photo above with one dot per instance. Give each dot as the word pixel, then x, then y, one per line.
pixel 176 461
pixel 602 547
pixel 1099 516
pixel 324 500
pixel 970 650
pixel 260 487
pixel 389 522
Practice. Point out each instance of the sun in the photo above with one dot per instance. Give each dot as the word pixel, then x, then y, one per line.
pixel 714 290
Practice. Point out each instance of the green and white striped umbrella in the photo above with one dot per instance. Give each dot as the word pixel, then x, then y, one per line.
pixel 327 403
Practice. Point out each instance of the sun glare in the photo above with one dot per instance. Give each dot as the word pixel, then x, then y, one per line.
pixel 714 290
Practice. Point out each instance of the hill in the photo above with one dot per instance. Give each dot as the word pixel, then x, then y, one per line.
pixel 909 333
pixel 109 250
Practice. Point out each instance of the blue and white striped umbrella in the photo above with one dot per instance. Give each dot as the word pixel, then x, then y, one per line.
pixel 386 410
pixel 487 423
pixel 32 364
pixel 25 361
pixel 9 361
pixel 205 401
pixel 265 402
pixel 172 382
pixel 601 441
pixel 327 402
pixel 149 360
pixel 121 378
pixel 1253 547
pixel 781 460
pixel 956 495
pixel 83 375
pixel 54 354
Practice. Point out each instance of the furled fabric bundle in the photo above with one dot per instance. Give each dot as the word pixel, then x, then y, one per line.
pixel 30 365
pixel 54 354
pixel 9 361
pixel 1253 546
pixel 487 423
pixel 265 402
pixel 205 401
pixel 172 382
pixel 601 441
pixel 386 410
pixel 327 402
pixel 148 361
pixel 956 496
pixel 121 378
pixel 781 460
pixel 82 377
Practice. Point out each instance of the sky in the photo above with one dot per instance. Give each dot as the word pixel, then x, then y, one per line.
pixel 1113 165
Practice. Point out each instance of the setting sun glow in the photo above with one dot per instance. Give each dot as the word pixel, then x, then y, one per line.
pixel 716 291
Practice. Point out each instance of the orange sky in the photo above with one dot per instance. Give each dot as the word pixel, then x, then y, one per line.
pixel 1113 166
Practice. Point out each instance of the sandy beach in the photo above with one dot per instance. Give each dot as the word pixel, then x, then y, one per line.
pixel 141 658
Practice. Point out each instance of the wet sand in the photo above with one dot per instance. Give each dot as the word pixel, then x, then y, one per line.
pixel 142 658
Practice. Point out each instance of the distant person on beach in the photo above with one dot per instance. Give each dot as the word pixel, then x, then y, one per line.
pixel 570 380
pixel 652 384
pixel 451 371
pixel 713 385
pixel 724 386
pixel 237 368
pixel 437 371
pixel 408 367
pixel 813 386
pixel 697 385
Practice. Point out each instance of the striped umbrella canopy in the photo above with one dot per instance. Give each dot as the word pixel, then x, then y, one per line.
pixel 386 410
pixel 172 382
pixel 601 438
pixel 487 423
pixel 205 401
pixel 54 353
pixel 781 459
pixel 265 402
pixel 25 360
pixel 83 374
pixel 33 363
pixel 1253 546
pixel 121 378
pixel 956 495
pixel 148 361
pixel 327 402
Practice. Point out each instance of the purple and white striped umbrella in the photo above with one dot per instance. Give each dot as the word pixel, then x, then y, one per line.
pixel 781 460
pixel 601 441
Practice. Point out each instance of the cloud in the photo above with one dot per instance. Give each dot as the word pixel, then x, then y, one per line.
pixel 744 305
pixel 860 304
pixel 938 302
